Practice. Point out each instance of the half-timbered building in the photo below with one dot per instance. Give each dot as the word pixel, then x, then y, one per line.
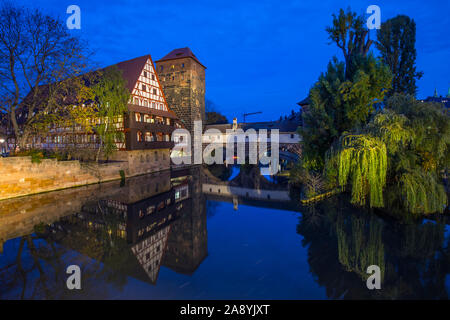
pixel 147 125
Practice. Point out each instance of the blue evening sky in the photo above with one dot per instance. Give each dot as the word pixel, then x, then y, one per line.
pixel 261 55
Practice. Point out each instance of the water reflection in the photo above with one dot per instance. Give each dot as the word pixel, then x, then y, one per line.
pixel 113 231
pixel 122 233
pixel 342 242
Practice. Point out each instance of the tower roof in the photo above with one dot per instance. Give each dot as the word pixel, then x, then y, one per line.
pixel 179 54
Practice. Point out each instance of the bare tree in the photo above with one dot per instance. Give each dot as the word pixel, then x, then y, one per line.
pixel 38 57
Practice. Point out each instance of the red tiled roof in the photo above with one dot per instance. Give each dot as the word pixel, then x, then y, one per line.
pixel 131 70
pixel 179 54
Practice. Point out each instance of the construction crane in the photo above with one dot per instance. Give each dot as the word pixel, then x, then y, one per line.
pixel 251 113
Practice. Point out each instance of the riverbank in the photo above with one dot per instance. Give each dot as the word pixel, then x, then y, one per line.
pixel 20 176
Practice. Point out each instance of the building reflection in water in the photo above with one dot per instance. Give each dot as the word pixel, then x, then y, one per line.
pixel 128 230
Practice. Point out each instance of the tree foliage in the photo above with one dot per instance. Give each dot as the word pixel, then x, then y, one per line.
pixel 396 43
pixel 212 115
pixel 111 99
pixel 360 140
pixel 361 163
pixel 421 192
pixel 348 32
pixel 415 139
pixel 339 105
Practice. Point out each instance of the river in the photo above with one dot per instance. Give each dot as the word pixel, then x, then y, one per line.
pixel 213 233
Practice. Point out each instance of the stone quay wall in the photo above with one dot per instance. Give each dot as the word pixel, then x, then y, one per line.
pixel 19 176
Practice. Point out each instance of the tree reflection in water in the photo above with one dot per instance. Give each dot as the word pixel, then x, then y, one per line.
pixel 414 256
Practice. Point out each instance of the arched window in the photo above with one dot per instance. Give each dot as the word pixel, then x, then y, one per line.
pixel 148 137
pixel 139 136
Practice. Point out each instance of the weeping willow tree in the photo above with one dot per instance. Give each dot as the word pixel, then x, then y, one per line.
pixel 392 129
pixel 421 192
pixel 416 135
pixel 111 104
pixel 400 155
pixel 361 164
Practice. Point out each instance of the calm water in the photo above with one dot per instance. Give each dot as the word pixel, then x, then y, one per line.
pixel 213 234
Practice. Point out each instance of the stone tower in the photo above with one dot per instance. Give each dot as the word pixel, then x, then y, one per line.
pixel 182 77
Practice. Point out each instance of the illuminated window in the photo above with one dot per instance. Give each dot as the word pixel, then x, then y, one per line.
pixel 148 137
pixel 138 117
pixel 150 210
pixel 139 136
pixel 147 118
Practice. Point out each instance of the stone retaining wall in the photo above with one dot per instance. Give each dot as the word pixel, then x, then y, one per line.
pixel 19 176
